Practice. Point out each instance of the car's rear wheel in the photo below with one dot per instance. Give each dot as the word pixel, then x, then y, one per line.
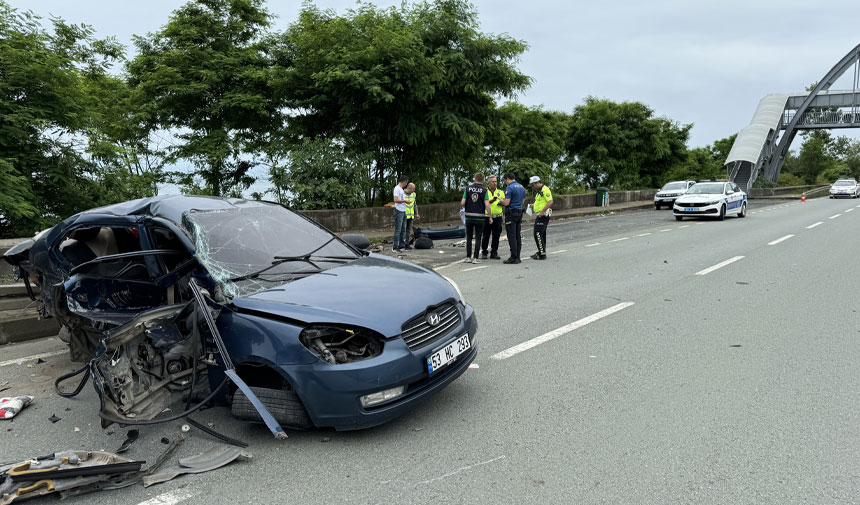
pixel 284 405
pixel 678 218
pixel 743 211
pixel 722 213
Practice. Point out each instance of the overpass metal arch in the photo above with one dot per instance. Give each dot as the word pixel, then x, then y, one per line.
pixel 779 154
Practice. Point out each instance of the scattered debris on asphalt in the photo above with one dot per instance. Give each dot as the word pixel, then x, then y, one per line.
pixel 165 440
pixel 474 366
pixel 214 458
pixel 60 472
pixel 131 437
pixel 77 429
pixel 185 428
pixel 9 407
pixel 326 439
pixel 39 361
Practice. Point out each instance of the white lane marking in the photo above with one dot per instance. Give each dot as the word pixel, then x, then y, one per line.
pixel 667 229
pixel 644 234
pixel 592 245
pixel 857 207
pixel 814 225
pixel 450 264
pixel 684 226
pixel 618 240
pixel 834 217
pixel 474 268
pixel 719 265
pixel 777 241
pixel 169 498
pixel 18 361
pixel 849 210
pixel 697 224
pixel 546 337
pixel 558 252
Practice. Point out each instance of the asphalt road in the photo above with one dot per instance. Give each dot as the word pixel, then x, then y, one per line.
pixel 624 369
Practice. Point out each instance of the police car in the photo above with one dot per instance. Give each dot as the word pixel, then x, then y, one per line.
pixel 711 199
pixel 845 187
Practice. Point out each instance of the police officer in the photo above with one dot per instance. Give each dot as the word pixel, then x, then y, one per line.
pixel 411 215
pixel 476 202
pixel 494 229
pixel 543 209
pixel 515 195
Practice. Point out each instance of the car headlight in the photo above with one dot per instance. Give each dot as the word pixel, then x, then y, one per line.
pixel 714 202
pixel 457 289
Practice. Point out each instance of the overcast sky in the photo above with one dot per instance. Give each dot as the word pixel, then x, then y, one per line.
pixel 707 62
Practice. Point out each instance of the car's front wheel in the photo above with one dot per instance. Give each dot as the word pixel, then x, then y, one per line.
pixel 743 211
pixel 722 213
pixel 284 405
pixel 678 218
pixel 656 206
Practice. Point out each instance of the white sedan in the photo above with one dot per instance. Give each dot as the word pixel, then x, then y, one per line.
pixel 845 187
pixel 711 199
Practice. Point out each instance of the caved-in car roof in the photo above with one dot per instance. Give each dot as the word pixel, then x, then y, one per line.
pixel 171 207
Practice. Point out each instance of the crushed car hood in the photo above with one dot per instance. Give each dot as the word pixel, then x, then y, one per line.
pixel 354 293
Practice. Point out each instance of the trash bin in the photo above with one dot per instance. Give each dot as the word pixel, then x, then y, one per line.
pixel 601 198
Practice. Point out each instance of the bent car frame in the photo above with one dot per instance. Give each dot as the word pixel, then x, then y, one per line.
pixel 310 330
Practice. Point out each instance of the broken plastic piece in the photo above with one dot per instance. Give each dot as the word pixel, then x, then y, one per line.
pixel 131 437
pixel 9 407
pixel 212 459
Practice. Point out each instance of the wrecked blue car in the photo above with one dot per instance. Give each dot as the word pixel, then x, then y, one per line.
pixel 164 296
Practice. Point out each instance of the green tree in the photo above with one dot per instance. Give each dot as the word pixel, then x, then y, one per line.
pixel 205 77
pixel 412 87
pixel 702 162
pixel 321 176
pixel 44 113
pixel 527 141
pixel 623 145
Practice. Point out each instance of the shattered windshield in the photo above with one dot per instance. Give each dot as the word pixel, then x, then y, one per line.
pixel 243 248
pixel 715 188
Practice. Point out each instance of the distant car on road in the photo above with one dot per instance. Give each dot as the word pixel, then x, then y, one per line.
pixel 845 187
pixel 711 199
pixel 670 192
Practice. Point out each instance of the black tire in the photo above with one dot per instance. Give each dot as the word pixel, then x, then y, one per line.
pixel 284 405
pixel 656 206
pixel 678 218
pixel 722 213
pixel 743 211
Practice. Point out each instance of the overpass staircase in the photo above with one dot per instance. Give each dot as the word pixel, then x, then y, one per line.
pixel 761 147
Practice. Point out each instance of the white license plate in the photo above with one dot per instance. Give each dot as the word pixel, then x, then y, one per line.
pixel 691 209
pixel 448 353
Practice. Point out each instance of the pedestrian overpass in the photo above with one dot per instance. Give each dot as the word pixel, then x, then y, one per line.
pixel 760 148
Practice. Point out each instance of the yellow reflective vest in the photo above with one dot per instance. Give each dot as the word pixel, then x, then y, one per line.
pixel 410 205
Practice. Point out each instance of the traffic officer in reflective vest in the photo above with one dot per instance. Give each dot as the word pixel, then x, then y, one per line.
pixel 476 203
pixel 411 214
pixel 543 209
pixel 495 229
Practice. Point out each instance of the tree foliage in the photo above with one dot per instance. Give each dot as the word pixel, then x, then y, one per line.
pixel 411 87
pixel 205 75
pixel 45 115
pixel 623 145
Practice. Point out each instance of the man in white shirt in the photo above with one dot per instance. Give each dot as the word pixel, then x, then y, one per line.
pixel 400 214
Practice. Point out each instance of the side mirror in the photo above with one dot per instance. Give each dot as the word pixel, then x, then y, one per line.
pixel 357 241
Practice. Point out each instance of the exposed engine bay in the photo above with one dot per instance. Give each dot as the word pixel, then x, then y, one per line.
pixel 337 345
pixel 148 363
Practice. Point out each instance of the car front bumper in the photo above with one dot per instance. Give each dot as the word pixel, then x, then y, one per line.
pixel 331 393
pixel 665 200
pixel 679 209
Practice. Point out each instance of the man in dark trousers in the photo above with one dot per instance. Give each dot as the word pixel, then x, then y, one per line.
pixel 493 230
pixel 543 209
pixel 476 203
pixel 515 195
